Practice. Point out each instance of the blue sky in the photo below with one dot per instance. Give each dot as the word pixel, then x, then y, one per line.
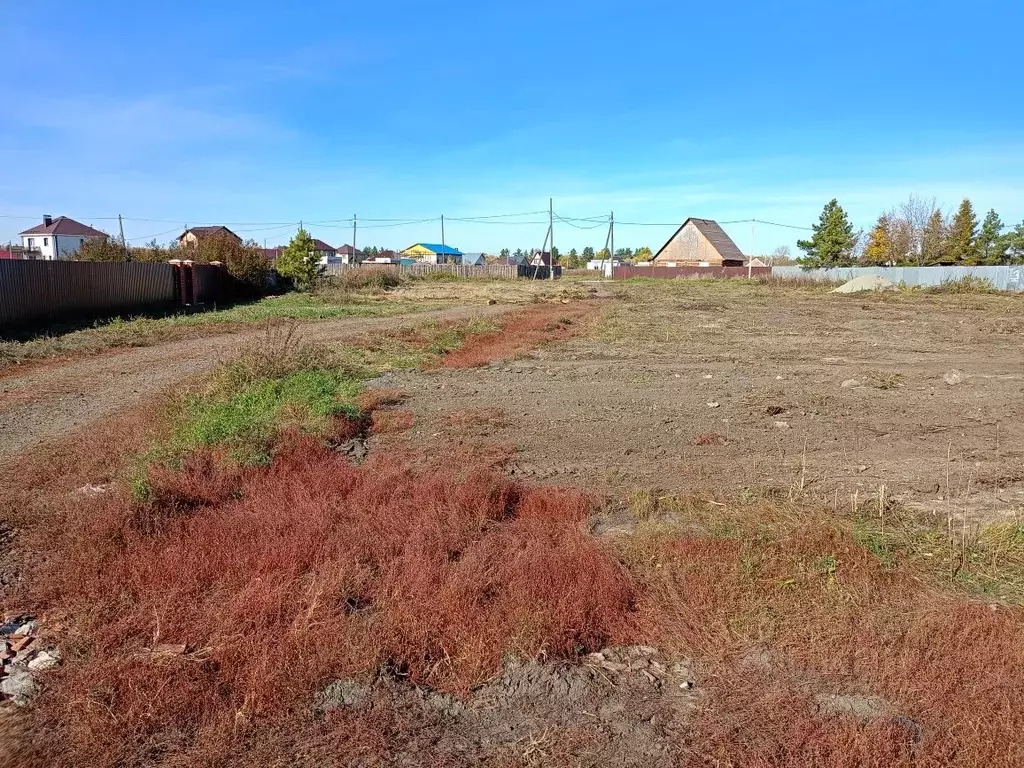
pixel 262 114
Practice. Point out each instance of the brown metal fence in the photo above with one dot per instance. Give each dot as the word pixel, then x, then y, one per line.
pixel 668 273
pixel 39 291
pixel 492 271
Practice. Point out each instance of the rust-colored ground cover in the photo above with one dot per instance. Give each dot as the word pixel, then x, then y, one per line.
pixel 522 330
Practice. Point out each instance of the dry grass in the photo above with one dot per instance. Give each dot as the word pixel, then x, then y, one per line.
pixel 388 422
pixel 781 606
pixel 521 331
pixel 72 342
pixel 467 418
pixel 279 579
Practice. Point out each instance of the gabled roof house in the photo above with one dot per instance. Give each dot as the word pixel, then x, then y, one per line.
pixel 57 238
pixel 433 253
pixel 700 243
pixel 193 235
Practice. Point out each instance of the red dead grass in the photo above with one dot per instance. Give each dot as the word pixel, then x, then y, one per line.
pixel 372 399
pixel 521 331
pixel 389 422
pixel 779 622
pixel 278 580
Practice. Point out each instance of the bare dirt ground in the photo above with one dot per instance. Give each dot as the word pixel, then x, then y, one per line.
pixel 712 387
pixel 727 392
pixel 49 401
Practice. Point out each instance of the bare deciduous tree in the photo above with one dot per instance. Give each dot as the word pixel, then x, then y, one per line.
pixel 908 222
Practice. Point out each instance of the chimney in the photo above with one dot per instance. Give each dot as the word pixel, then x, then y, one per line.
pixel 47 219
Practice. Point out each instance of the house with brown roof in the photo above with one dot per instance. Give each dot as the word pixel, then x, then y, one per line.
pixel 328 253
pixel 57 238
pixel 191 236
pixel 700 243
pixel 348 254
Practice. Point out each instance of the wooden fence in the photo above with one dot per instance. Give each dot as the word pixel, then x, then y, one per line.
pixel 486 271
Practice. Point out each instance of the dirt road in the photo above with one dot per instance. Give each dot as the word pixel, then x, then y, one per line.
pixel 48 402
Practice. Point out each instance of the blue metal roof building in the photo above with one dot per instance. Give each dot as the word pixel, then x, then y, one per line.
pixel 435 248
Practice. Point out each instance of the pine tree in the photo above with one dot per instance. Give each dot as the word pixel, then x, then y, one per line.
pixel 933 240
pixel 962 240
pixel 300 261
pixel 588 253
pixel 990 241
pixel 878 251
pixel 833 240
pixel 1012 245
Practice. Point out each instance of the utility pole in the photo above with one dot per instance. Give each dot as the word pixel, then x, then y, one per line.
pixel 443 249
pixel 551 233
pixel 753 248
pixel 354 260
pixel 609 244
pixel 124 243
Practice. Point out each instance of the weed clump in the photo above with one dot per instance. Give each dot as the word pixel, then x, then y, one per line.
pixel 450 573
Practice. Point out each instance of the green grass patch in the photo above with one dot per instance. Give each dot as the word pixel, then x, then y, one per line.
pixel 248 422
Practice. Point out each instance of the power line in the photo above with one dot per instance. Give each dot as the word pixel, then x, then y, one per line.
pixel 155 234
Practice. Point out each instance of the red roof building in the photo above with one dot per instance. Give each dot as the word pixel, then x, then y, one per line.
pixel 57 238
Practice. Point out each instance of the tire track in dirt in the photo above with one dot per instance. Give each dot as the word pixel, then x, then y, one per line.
pixel 48 402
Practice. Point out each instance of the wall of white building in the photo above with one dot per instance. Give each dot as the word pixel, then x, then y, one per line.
pixel 52 247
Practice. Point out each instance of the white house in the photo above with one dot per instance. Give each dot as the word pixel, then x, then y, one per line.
pixel 58 238
pixel 349 255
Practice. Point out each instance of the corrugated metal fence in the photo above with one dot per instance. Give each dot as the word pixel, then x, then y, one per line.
pixel 39 291
pixel 1009 278
pixel 667 273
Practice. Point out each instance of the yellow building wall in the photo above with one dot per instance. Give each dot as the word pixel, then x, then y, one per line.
pixel 417 250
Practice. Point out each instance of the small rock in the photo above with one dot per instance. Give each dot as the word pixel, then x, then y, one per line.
pixel 782 425
pixel 19 643
pixel 678 376
pixel 19 685
pixel 862 468
pixel 28 628
pixel 713 404
pixel 850 383
pixel 778 378
pixel 707 375
pixel 491 302
pixel 953 377
pixel 45 660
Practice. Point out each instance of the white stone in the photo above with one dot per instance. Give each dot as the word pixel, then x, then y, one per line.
pixel 45 660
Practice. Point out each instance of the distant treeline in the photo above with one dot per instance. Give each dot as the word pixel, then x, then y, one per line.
pixel 915 233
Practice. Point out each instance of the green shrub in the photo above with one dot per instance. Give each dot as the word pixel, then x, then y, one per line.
pixel 966 284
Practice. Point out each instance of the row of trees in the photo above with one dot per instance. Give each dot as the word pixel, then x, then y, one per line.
pixel 243 260
pixel 578 260
pixel 246 260
pixel 916 233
